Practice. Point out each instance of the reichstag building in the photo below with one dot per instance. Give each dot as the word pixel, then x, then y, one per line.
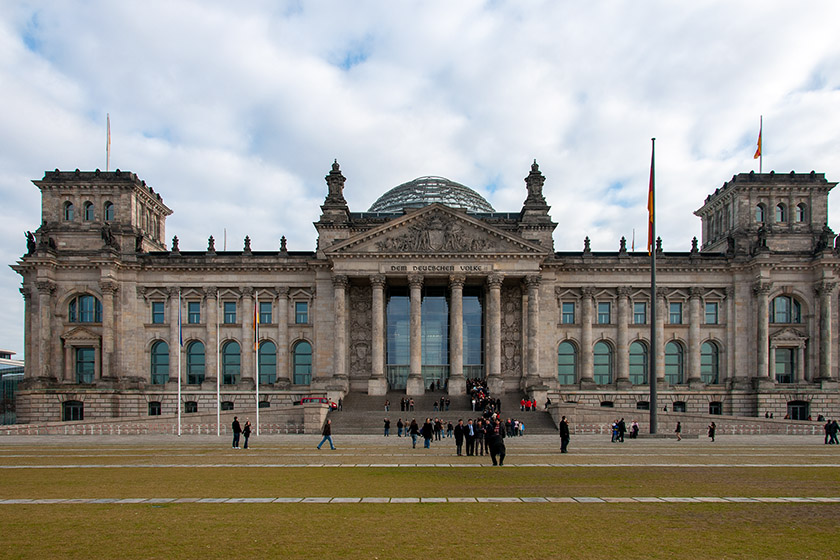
pixel 427 288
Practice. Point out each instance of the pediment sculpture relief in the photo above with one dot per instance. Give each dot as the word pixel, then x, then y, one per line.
pixel 435 234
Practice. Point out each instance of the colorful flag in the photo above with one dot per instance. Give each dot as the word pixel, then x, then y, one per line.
pixel 650 206
pixel 180 327
pixel 758 148
pixel 108 143
pixel 256 324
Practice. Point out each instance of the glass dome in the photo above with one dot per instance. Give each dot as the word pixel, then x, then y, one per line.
pixel 428 190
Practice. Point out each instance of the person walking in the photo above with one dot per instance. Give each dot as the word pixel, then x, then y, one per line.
pixel 564 435
pixel 387 427
pixel 387 406
pixel 427 430
pixel 246 432
pixel 678 431
pixel 399 427
pixel 712 429
pixel 479 437
pixel 622 429
pixel 469 435
pixel 327 433
pixel 413 431
pixel 494 437
pixel 459 436
pixel 237 429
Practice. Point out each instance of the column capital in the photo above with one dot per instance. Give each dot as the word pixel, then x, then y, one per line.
pixel 533 280
pixel 415 280
pixel 109 286
pixel 695 292
pixel 587 292
pixel 340 281
pixel 26 292
pixel 210 292
pixel 624 291
pixel 45 287
pixel 457 281
pixel 377 280
pixel 173 291
pixel 282 292
pixel 762 288
pixel 247 291
pixel 730 291
pixel 824 287
pixel 495 280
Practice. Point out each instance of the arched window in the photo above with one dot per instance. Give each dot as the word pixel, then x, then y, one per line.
pixel 709 363
pixel 84 309
pixel 88 214
pixel 195 363
pixel 268 362
pixel 72 411
pixel 799 213
pixel 160 363
pixel 603 363
pixel 68 211
pixel 674 363
pixel 230 363
pixel 785 309
pixel 760 214
pixel 302 360
pixel 566 363
pixel 781 213
pixel 108 211
pixel 638 363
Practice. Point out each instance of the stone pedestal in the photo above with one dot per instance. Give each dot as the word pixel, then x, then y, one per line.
pixel 414 386
pixel 377 386
pixel 496 385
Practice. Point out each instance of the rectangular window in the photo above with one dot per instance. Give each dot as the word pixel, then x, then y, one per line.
pixel 568 317
pixel 712 313
pixel 604 313
pixel 154 408
pixel 675 315
pixel 301 312
pixel 230 312
pixel 265 312
pixel 157 312
pixel 639 313
pixel 193 312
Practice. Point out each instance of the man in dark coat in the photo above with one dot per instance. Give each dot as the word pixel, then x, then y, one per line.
pixel 564 435
pixel 494 439
pixel 427 432
pixel 237 429
pixel 622 429
pixel 469 435
pixel 459 436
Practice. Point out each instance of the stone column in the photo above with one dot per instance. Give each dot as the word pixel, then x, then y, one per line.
pixel 174 346
pixel 211 350
pixel 532 284
pixel 694 314
pixel 246 319
pixel 284 370
pixel 661 309
pixel 494 322
pixel 622 379
pixel 824 292
pixel 377 383
pixel 761 290
pixel 340 283
pixel 26 292
pixel 43 329
pixel 109 289
pixel 799 374
pixel 731 337
pixel 457 384
pixel 414 383
pixel 587 367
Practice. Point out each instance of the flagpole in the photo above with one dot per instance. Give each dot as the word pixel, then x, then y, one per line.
pixel 760 142
pixel 108 142
pixel 257 355
pixel 218 398
pixel 652 250
pixel 180 346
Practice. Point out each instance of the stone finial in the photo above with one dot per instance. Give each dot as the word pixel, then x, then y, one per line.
pixel 586 248
pixel 622 245
pixel 694 248
pixel 658 244
pixel 535 181
pixel 175 248
pixel 247 248
pixel 211 245
pixel 283 249
pixel 335 185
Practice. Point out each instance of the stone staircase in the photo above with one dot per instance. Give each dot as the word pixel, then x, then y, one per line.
pixel 365 414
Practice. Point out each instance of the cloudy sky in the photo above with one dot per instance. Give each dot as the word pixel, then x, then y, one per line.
pixel 234 111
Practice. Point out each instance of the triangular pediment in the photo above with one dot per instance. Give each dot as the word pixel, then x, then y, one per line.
pixel 80 334
pixel 435 230
pixel 788 335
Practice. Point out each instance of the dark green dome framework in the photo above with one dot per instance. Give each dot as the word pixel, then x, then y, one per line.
pixel 428 190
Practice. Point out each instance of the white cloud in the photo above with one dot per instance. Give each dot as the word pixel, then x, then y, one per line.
pixel 234 112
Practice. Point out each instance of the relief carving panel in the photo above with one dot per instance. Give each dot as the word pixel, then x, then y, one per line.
pixel 360 331
pixel 435 234
pixel 511 331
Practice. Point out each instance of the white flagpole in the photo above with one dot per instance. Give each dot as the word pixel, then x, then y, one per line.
pixel 108 143
pixel 218 397
pixel 180 346
pixel 257 357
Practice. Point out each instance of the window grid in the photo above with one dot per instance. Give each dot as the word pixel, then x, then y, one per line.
pixel 301 313
pixel 675 313
pixel 193 312
pixel 712 313
pixel 230 313
pixel 157 312
pixel 604 309
pixel 265 313
pixel 639 313
pixel 568 313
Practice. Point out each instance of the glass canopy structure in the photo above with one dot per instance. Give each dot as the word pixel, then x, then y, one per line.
pixel 428 190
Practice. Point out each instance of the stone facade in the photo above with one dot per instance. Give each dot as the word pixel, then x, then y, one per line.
pixel 746 323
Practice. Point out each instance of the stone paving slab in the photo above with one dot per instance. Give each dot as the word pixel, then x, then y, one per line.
pixel 498 500
pixel 287 500
pixel 708 499
pixel 560 500
pixel 433 500
pixel 375 500
pixel 534 499
pixel 461 500
pixel 405 500
pixel 316 500
pixel 588 500
pixel 345 500
pixel 679 499
pixel 618 500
